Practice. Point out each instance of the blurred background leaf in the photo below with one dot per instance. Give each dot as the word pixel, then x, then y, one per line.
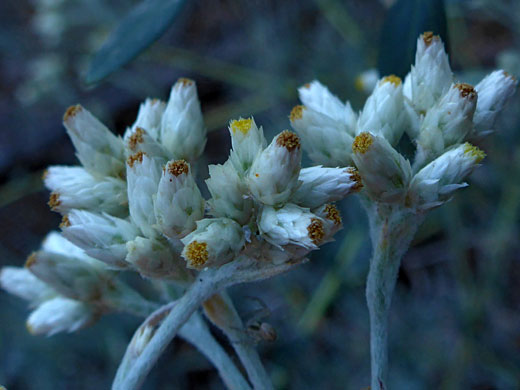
pixel 138 30
pixel 405 20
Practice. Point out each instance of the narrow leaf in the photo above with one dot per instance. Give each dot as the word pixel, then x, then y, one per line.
pixel 137 30
pixel 405 21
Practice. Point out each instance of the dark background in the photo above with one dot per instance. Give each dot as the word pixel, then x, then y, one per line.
pixel 455 321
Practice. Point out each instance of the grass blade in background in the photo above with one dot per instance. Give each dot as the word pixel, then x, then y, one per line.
pixel 137 30
pixel 405 20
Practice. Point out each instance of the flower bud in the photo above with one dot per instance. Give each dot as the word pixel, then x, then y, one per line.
pixel 384 171
pixel 434 184
pixel 149 117
pixel 447 123
pixel 367 81
pixel 101 236
pixel 248 141
pixel 23 284
pixel 229 194
pixel 142 176
pixel 384 112
pixel 493 93
pixel 325 140
pixel 291 225
pixel 215 242
pixel 60 315
pixel 154 259
pixel 138 140
pixel 182 130
pixel 273 177
pixel 321 185
pixel 76 188
pixel 179 203
pixel 315 96
pixel 431 75
pixel 77 278
pixel 97 148
pixel 331 218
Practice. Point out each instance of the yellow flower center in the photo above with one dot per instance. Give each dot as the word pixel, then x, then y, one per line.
pixel 242 125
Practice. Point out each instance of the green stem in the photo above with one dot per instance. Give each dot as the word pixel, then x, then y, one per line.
pixel 392 229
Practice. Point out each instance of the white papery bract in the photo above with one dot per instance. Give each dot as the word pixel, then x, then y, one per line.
pixel 291 224
pixel 179 203
pixel 23 284
pixel 324 139
pixel 142 176
pixel 60 315
pixel 154 259
pixel 149 117
pixel 384 171
pixel 435 183
pixel 229 193
pixel 447 123
pixel 138 140
pixel 321 185
pixel 76 188
pixel 383 113
pixel 74 277
pixel 273 177
pixel 215 242
pixel 247 141
pixel 316 97
pixel 493 93
pixel 100 236
pixel 182 128
pixel 431 76
pixel 97 148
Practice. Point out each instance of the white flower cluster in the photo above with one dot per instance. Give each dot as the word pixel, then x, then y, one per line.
pixel 439 115
pixel 134 204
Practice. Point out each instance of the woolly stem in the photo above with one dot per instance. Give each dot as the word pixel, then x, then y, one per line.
pixel 392 230
pixel 133 370
pixel 222 313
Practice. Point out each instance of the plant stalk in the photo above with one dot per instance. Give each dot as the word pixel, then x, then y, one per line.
pixel 392 228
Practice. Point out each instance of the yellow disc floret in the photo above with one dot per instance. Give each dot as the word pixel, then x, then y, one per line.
pixel 71 112
pixel 362 143
pixel 178 167
pixel 392 79
pixel 288 140
pixel 473 151
pixel 466 90
pixel 185 82
pixel 54 201
pixel 428 37
pixel 242 125
pixel 65 222
pixel 315 231
pixel 332 214
pixel 136 138
pixel 135 158
pixel 356 177
pixel 31 260
pixel 296 113
pixel 197 253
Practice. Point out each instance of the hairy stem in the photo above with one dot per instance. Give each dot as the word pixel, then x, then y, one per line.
pixel 392 230
pixel 195 332
pixel 132 371
pixel 221 311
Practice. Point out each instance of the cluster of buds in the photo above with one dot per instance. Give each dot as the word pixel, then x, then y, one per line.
pixel 439 115
pixel 134 205
pixel 262 201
